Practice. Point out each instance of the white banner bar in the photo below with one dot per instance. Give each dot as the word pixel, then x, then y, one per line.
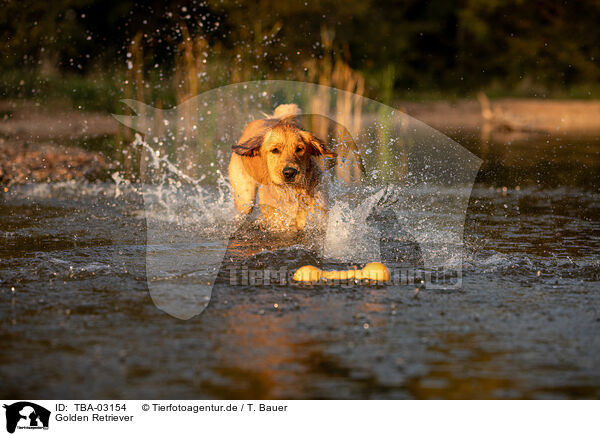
pixel 299 417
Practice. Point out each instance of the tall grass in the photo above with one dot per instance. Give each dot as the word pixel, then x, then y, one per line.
pixel 199 67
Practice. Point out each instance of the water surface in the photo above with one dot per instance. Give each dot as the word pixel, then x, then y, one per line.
pixel 78 321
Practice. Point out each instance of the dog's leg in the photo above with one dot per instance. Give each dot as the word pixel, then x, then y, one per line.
pixel 244 186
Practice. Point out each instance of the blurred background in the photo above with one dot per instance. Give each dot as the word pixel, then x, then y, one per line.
pixel 90 52
pixel 469 67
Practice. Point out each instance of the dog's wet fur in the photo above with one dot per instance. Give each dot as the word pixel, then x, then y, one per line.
pixel 282 163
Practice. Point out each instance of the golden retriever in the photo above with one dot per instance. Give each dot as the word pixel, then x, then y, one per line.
pixel 283 163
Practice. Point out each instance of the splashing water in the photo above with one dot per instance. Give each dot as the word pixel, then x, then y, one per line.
pixel 407 184
pixel 180 199
pixel 207 210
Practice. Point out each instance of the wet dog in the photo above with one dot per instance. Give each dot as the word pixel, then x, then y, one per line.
pixel 282 163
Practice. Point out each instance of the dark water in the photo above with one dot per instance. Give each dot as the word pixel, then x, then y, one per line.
pixel 78 321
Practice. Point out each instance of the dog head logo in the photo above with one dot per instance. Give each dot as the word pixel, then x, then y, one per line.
pixel 26 415
pixel 404 170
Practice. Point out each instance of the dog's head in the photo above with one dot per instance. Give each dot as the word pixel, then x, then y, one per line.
pixel 284 153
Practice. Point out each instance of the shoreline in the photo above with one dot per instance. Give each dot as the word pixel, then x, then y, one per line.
pixel 509 114
pixel 30 121
pixel 36 142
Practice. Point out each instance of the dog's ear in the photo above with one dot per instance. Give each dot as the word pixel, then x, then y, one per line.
pixel 316 146
pixel 250 147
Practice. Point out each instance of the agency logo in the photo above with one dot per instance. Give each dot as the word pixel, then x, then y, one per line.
pixel 26 415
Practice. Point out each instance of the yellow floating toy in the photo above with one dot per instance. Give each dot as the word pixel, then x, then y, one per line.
pixel 375 271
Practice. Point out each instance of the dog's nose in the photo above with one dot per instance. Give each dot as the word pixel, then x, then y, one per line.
pixel 289 173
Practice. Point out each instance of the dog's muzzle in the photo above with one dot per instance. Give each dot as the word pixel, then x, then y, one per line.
pixel 289 173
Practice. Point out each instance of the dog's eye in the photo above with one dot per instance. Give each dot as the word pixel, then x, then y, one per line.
pixel 299 150
pixel 275 151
